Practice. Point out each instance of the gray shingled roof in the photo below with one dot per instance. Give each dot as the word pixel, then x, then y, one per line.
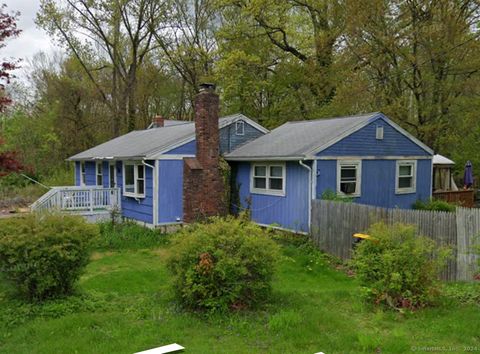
pixel 145 143
pixel 297 139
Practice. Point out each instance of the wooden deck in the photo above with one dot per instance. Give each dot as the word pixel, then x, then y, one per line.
pixel 92 202
pixel 465 198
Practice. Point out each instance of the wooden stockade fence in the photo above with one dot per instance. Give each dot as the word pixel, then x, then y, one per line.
pixel 334 223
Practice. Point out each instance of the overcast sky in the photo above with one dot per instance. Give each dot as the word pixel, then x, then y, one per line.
pixel 31 40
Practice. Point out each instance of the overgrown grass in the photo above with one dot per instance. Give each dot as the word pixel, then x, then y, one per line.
pixel 129 236
pixel 434 205
pixel 124 305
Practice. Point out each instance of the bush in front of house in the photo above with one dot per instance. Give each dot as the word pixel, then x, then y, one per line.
pixel 434 205
pixel 44 255
pixel 224 264
pixel 398 268
pixel 329 194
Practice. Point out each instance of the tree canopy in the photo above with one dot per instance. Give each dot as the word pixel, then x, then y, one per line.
pixel 126 61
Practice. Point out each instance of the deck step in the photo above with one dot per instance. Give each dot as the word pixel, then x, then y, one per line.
pixel 171 348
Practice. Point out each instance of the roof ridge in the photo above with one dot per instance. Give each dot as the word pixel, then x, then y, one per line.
pixel 332 118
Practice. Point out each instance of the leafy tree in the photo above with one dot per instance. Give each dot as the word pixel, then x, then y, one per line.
pixel 253 75
pixel 418 58
pixel 8 161
pixel 187 41
pixel 417 61
pixel 306 33
pixel 107 36
pixel 8 29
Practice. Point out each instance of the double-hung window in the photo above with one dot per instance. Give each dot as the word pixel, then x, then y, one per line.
pixel 268 178
pixel 406 176
pixel 349 178
pixel 134 180
pixel 83 173
pixel 99 173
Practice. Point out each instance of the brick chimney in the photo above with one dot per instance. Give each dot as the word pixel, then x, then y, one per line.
pixel 203 188
pixel 158 122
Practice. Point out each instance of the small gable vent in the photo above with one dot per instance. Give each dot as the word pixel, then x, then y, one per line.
pixel 379 133
pixel 240 127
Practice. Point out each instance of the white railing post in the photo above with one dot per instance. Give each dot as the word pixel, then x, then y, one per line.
pixel 119 199
pixel 79 199
pixel 91 199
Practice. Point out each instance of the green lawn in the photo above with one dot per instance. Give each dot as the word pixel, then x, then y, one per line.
pixel 124 305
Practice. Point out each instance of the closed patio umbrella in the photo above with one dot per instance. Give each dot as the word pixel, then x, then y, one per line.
pixel 468 175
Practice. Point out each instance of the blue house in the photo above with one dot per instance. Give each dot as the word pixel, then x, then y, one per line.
pixel 170 173
pixel 146 166
pixel 366 157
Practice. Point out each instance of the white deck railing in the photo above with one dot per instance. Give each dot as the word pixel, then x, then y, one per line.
pixel 88 199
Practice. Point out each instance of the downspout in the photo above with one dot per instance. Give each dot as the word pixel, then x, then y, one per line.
pixel 155 191
pixel 309 169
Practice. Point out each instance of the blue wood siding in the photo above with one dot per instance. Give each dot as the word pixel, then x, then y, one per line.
pixel 229 140
pixel 364 143
pixel 170 191
pixel 141 210
pixel 77 173
pixel 291 211
pixel 378 182
pixel 326 177
pixel 189 148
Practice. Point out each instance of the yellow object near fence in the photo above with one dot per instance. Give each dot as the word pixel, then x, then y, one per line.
pixel 364 237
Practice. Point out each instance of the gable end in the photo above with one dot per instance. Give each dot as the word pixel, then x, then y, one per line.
pixel 229 140
pixel 362 141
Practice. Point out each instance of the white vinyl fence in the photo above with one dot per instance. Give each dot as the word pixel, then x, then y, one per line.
pixel 334 223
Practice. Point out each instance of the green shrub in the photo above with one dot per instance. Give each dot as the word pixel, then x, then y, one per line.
pixel 329 194
pixel 434 205
pixel 222 265
pixel 399 268
pixel 13 180
pixel 44 255
pixel 462 293
pixel 476 250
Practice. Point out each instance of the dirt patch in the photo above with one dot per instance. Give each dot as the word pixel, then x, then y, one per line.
pixel 162 252
pixel 99 255
pixel 10 213
pixel 15 202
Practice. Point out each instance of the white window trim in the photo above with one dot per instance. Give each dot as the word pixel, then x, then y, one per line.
pixel 135 179
pixel 98 173
pixel 268 191
pixel 358 164
pixel 114 165
pixel 83 173
pixel 240 123
pixel 409 190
